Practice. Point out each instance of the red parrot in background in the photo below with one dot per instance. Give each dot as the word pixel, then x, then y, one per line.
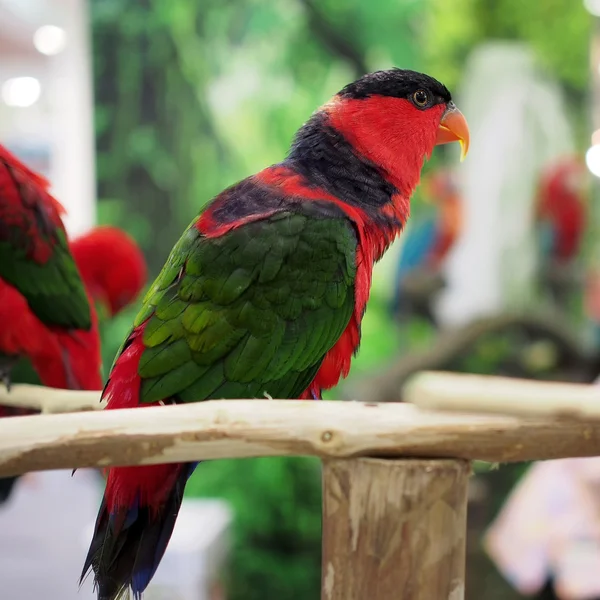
pixel 560 215
pixel 265 291
pixel 561 208
pixel 44 308
pixel 45 314
pixel 114 272
pixel 442 188
pixel 426 246
pixel 108 261
pixel 112 267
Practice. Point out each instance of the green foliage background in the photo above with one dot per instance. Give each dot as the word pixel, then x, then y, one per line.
pixel 193 96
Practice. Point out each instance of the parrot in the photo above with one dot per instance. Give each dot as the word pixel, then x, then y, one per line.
pixel 113 270
pixel 561 208
pixel 264 293
pixel 560 218
pixel 45 311
pixel 112 267
pixel 427 244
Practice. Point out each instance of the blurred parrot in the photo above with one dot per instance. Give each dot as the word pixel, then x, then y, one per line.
pixel 112 267
pixel 560 216
pixel 426 246
pixel 45 313
pixel 44 308
pixel 265 291
pixel 113 270
pixel 591 305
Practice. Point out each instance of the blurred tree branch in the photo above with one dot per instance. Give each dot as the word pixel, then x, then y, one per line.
pixel 153 121
pixel 417 290
pixel 386 386
pixel 334 40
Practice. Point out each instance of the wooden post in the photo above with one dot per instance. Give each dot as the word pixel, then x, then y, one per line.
pixel 394 529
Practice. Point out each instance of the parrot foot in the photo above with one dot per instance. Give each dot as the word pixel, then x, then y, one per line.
pixel 5 376
pixel 6 365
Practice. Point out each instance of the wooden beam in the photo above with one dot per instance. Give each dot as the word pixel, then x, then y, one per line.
pixel 504 396
pixel 244 428
pixel 394 529
pixel 49 400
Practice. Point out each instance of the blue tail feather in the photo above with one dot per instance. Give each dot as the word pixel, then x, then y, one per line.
pixel 128 545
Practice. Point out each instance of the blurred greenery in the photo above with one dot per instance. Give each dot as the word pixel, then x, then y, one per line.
pixel 193 96
pixel 277 503
pixel 558 30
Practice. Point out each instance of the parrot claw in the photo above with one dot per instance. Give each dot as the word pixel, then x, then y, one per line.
pixel 6 365
pixel 5 377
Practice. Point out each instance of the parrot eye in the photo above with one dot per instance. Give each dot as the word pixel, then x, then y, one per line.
pixel 420 98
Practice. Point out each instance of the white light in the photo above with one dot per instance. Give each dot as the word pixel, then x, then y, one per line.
pixel 21 91
pixel 592 160
pixel 49 39
pixel 593 7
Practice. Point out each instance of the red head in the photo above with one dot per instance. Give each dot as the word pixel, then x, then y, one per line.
pixel 112 266
pixel 370 141
pixel 395 118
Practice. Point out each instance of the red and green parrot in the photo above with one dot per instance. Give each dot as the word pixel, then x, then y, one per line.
pixel 113 271
pixel 426 245
pixel 265 291
pixel 48 328
pixel 45 312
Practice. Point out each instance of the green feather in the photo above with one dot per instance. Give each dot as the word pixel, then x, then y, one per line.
pixel 251 312
pixel 54 289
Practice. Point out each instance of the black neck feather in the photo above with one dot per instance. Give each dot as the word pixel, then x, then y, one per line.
pixel 327 160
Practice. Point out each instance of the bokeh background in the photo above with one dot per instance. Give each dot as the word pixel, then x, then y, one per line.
pixel 141 111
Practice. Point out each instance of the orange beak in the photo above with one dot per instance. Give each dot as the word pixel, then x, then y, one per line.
pixel 453 128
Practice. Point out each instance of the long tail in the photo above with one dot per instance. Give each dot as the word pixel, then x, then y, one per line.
pixel 130 539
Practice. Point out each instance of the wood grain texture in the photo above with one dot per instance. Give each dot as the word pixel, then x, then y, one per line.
pixel 247 428
pixel 394 529
pixel 50 400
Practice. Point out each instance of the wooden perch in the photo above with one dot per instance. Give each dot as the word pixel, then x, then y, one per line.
pixel 244 428
pixel 49 400
pixel 394 529
pixel 502 395
pixel 386 386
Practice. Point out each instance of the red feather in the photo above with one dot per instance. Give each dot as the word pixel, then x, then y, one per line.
pixel 62 359
pixel 150 484
pixel 391 134
pixel 370 125
pixel 23 194
pixel 561 201
pixel 112 266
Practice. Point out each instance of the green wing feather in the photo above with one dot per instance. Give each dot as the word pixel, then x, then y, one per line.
pixel 53 289
pixel 251 312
